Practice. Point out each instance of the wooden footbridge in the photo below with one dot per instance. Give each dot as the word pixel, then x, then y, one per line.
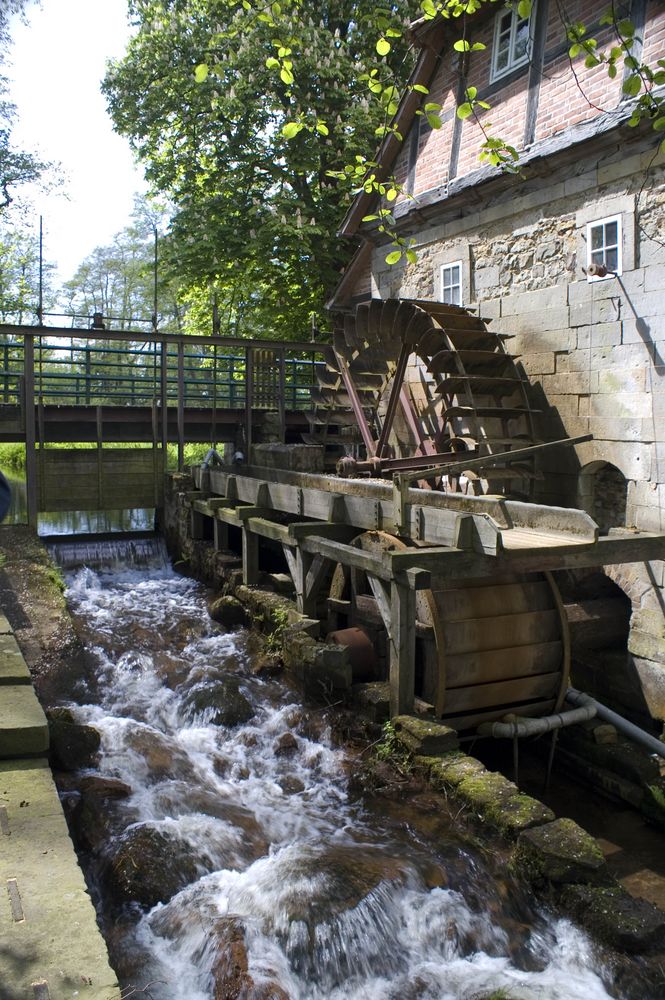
pixel 106 388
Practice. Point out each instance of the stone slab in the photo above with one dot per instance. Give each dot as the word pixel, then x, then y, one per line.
pixel 48 924
pixel 5 627
pixel 13 668
pixel 23 725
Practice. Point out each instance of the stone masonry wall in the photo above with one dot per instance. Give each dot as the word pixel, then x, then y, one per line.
pixel 593 350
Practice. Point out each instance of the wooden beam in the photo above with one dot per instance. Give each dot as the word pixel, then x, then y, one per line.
pixel 324 529
pixel 348 555
pixel 402 636
pixel 269 529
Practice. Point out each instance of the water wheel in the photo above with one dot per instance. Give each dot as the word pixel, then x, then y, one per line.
pixel 405 378
pixel 485 648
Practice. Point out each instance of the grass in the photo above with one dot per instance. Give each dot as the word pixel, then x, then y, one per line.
pixel 12 456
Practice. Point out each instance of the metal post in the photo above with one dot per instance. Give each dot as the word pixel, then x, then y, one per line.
pixel 181 405
pixel 164 398
pixel 30 431
pixel 249 402
pixel 40 307
pixel 281 402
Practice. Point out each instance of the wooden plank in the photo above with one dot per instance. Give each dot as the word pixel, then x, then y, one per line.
pixel 502 693
pixel 458 604
pixel 463 669
pixel 502 631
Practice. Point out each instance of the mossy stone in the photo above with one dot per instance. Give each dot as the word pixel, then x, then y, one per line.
pixel 616 917
pixel 424 736
pixel 560 852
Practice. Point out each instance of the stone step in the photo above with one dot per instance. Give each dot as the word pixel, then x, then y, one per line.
pixel 23 725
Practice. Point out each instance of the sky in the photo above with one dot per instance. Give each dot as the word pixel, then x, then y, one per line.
pixel 55 66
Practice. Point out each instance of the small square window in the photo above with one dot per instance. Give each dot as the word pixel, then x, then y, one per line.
pixel 512 42
pixel 603 240
pixel 451 283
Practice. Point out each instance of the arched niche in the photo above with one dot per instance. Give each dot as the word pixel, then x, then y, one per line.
pixel 603 493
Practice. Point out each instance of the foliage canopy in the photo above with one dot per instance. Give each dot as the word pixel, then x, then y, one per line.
pixel 246 149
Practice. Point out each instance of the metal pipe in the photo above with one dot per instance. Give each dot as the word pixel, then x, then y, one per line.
pixel 634 732
pixel 522 727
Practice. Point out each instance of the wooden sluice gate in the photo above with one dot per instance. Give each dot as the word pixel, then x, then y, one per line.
pixel 454 592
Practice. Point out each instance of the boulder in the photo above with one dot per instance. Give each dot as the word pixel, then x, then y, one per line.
pixel 72 746
pixel 228 611
pixel 220 703
pixel 286 744
pixel 147 866
pixel 230 970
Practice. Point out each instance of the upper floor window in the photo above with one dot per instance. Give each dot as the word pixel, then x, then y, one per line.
pixel 512 42
pixel 451 283
pixel 603 241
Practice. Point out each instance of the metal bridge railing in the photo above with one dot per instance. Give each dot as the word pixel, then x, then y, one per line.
pixel 123 372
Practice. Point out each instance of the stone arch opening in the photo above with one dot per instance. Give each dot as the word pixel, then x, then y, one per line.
pixel 603 493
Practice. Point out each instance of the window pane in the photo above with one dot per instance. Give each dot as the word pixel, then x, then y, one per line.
pixel 610 234
pixel 596 237
pixel 597 257
pixel 612 259
pixel 521 40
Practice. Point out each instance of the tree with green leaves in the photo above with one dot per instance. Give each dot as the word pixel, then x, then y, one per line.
pixel 246 148
pixel 17 166
pixel 118 280
pixel 20 273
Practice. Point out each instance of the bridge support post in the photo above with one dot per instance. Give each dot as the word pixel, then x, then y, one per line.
pixel 402 637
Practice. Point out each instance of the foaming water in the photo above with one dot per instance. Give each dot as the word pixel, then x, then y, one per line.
pixel 291 888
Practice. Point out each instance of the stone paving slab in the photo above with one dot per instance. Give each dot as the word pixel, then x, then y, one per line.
pixel 13 668
pixel 48 930
pixel 23 725
pixel 5 627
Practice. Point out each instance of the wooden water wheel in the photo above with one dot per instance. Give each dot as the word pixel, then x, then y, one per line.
pixel 485 647
pixel 407 378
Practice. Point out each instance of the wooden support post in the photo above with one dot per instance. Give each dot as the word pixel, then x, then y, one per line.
pixel 30 432
pixel 100 459
pixel 402 637
pixel 250 556
pixel 220 534
pixel 181 405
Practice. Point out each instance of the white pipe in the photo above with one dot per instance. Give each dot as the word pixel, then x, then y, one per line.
pixel 646 740
pixel 522 727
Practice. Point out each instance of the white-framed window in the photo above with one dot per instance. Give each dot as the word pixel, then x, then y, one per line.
pixel 512 42
pixel 451 283
pixel 603 247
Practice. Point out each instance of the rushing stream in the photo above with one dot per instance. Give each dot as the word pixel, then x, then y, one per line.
pixel 286 885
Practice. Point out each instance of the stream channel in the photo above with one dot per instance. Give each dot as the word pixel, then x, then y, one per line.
pixel 278 880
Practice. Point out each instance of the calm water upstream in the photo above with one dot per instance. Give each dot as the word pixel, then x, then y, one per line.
pixel 322 895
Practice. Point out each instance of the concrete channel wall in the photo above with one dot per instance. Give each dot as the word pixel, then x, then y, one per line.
pixel 50 945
